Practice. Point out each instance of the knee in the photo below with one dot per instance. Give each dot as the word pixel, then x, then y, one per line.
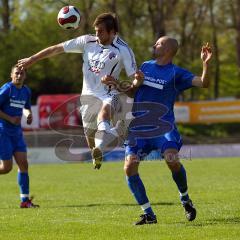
pixel 105 112
pixel 173 162
pixel 131 165
pixel 6 169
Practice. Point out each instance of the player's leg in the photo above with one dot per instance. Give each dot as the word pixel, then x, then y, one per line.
pixel 103 137
pixel 23 177
pixel 6 152
pixel 20 156
pixel 90 107
pixel 123 117
pixel 137 188
pixel 104 125
pixel 23 180
pixel 90 137
pixel 178 172
pixel 106 137
pixel 106 117
pixel 179 175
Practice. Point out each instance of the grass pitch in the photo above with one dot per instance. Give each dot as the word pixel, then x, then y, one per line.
pixel 78 202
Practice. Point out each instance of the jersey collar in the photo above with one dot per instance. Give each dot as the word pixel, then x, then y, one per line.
pixel 105 46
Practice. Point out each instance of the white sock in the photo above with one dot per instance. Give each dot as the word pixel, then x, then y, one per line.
pixel 103 126
pixel 107 134
pixel 114 132
pixel 98 143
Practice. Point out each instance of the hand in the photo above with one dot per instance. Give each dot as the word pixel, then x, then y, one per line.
pixel 15 120
pixel 139 75
pixel 25 62
pixel 108 80
pixel 206 53
pixel 29 119
pixel 139 78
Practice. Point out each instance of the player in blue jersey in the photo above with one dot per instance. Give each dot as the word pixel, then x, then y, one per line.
pixel 14 96
pixel 156 129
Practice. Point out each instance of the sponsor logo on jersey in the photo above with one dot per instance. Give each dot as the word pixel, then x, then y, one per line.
pixel 153 82
pixel 17 103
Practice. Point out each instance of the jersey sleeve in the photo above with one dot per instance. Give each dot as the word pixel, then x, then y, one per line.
pixel 129 61
pixel 28 102
pixel 183 79
pixel 76 45
pixel 4 93
pixel 142 67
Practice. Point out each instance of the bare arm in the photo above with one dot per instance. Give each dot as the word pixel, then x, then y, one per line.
pixel 206 55
pixel 45 53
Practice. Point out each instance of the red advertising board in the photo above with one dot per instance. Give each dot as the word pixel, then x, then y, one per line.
pixel 59 111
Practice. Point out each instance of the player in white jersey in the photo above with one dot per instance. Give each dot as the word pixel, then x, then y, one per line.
pixel 104 56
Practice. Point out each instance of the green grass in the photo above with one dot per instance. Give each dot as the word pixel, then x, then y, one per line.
pixel 78 202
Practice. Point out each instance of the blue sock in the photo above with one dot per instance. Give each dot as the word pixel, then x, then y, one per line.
pixel 137 188
pixel 180 179
pixel 23 182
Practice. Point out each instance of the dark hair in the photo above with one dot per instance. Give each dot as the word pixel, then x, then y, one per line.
pixel 109 20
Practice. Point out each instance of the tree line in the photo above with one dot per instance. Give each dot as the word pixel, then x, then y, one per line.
pixel 27 26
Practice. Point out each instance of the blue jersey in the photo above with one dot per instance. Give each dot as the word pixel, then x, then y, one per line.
pixel 162 84
pixel 12 102
pixel 154 126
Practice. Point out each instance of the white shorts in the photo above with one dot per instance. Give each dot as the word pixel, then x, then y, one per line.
pixel 92 105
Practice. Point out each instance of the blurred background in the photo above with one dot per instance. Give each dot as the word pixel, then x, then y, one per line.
pixel 204 115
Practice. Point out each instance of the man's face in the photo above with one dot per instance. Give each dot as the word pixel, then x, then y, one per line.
pixel 160 47
pixel 103 35
pixel 18 76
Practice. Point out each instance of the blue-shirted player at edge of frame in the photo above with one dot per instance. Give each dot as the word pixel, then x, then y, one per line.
pixel 14 96
pixel 163 81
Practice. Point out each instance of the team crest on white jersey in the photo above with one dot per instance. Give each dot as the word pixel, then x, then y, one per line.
pixel 112 55
pixel 95 65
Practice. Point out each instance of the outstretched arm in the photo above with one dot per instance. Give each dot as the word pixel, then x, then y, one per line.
pixel 206 55
pixel 45 53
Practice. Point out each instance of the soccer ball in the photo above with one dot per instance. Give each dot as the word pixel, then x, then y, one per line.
pixel 69 17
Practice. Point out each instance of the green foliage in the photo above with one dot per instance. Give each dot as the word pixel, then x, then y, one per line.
pixel 34 27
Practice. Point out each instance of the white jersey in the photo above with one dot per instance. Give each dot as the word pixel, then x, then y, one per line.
pixel 100 60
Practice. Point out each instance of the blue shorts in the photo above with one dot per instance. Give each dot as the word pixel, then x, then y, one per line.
pixel 143 146
pixel 11 144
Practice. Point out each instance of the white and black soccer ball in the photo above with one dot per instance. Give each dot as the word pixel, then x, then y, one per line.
pixel 69 17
